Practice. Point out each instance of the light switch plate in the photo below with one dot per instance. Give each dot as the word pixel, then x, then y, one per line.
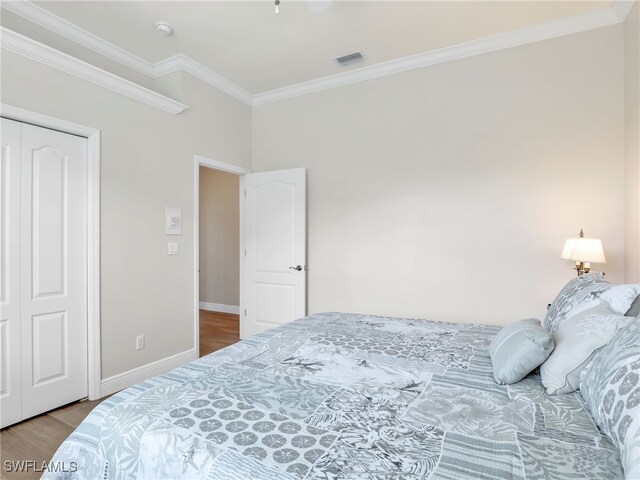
pixel 173 221
pixel 174 248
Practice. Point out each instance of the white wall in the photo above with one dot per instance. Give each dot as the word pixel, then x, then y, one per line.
pixel 447 192
pixel 632 144
pixel 425 188
pixel 147 165
pixel 219 237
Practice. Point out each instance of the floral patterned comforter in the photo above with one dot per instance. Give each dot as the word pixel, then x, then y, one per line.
pixel 341 396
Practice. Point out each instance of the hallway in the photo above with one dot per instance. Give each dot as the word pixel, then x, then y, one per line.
pixel 217 330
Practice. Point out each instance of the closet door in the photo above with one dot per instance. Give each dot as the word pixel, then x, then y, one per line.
pixel 53 269
pixel 10 383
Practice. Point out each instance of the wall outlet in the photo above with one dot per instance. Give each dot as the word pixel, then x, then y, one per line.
pixel 139 342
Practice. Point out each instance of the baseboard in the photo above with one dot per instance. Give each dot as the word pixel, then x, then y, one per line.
pixel 123 380
pixel 220 307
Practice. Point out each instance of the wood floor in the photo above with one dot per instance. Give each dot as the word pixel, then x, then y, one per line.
pixel 217 330
pixel 38 438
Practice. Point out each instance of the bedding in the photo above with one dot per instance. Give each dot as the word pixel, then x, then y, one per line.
pixel 620 297
pixel 587 291
pixel 634 309
pixel 342 396
pixel 576 341
pixel 579 290
pixel 518 349
pixel 610 387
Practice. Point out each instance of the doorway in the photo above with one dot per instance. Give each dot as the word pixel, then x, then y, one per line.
pixel 217 255
pixel 272 253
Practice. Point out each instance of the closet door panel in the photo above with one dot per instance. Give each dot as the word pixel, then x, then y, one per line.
pixel 10 383
pixel 49 196
pixel 53 269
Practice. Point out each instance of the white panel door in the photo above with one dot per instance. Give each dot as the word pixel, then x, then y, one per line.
pixel 273 290
pixel 53 269
pixel 10 383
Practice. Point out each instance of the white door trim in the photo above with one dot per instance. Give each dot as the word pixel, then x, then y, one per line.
pixel 216 165
pixel 93 229
pixel 200 161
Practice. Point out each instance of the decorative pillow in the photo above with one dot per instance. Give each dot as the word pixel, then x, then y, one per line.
pixel 575 341
pixel 578 290
pixel 585 292
pixel 519 348
pixel 634 309
pixel 610 386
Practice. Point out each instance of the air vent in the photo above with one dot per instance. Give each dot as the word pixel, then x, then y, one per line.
pixel 351 58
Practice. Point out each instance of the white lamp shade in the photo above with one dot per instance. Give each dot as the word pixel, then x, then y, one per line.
pixel 588 250
pixel 569 245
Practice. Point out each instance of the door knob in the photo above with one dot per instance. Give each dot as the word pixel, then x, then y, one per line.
pixel 297 267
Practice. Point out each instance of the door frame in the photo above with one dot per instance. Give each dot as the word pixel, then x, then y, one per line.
pixel 92 135
pixel 201 161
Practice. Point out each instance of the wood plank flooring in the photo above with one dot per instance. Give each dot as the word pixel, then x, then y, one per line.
pixel 38 438
pixel 217 330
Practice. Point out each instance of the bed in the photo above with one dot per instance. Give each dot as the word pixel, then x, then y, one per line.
pixel 341 396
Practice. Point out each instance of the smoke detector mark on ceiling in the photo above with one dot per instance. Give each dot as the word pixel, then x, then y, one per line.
pixel 164 28
pixel 349 59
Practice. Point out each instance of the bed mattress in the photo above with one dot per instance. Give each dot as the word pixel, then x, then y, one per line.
pixel 341 396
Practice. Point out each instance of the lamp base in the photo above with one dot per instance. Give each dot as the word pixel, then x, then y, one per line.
pixel 582 268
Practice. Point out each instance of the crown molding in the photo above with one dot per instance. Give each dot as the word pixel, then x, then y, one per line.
pixel 536 33
pixel 71 31
pixel 27 47
pixel 181 62
pixel 622 8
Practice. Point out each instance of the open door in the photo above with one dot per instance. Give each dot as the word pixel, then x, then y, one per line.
pixel 273 287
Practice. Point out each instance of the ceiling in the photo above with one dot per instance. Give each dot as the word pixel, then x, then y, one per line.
pixel 245 42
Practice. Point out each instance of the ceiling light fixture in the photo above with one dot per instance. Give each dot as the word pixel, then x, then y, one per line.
pixel 164 28
pixel 277 7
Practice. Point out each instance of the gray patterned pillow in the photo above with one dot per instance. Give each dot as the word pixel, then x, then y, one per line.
pixel 610 386
pixel 580 289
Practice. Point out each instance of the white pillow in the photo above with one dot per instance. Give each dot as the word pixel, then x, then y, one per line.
pixel 620 297
pixel 575 341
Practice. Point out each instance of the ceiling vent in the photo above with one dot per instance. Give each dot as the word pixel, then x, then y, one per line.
pixel 349 59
